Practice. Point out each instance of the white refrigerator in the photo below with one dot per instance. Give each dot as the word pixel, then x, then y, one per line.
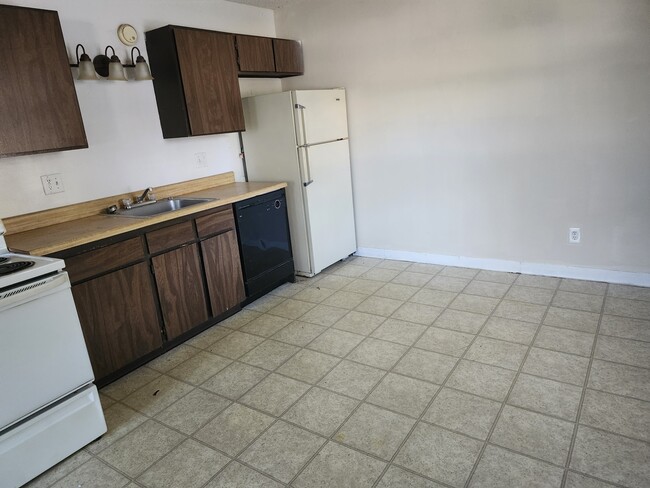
pixel 301 137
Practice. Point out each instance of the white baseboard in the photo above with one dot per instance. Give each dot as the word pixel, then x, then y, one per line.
pixel 558 270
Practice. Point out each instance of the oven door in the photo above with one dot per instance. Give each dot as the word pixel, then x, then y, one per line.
pixel 43 355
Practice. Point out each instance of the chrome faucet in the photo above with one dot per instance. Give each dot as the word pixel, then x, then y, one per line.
pixel 141 198
pixel 127 203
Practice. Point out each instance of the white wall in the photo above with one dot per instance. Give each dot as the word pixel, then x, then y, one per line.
pixel 486 129
pixel 126 150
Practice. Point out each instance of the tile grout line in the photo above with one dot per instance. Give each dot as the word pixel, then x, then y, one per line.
pixel 604 297
pixel 409 300
pixel 284 297
pixel 332 368
pixel 236 457
pixel 361 402
pixel 340 359
pixel 327 389
pixel 327 439
pixel 191 436
pixel 287 360
pixel 442 386
pixel 512 385
pixel 582 397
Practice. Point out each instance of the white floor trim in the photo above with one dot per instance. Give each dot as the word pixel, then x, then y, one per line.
pixel 558 270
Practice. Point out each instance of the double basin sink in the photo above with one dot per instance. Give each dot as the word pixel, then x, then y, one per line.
pixel 151 209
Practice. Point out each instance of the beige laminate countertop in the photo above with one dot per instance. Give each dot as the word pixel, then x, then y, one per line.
pixel 59 237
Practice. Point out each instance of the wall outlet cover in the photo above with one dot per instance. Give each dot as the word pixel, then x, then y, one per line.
pixel 52 183
pixel 574 235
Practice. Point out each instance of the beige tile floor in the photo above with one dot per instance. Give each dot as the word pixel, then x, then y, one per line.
pixel 392 374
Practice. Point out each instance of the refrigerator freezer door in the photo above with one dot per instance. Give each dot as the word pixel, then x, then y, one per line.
pixel 329 204
pixel 323 118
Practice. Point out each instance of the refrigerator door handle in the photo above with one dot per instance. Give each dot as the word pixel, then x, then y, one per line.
pixel 301 132
pixel 306 174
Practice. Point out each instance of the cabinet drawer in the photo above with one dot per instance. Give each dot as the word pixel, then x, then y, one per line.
pixel 99 261
pixel 215 223
pixel 169 237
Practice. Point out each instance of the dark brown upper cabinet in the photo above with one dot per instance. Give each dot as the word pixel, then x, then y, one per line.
pixel 265 57
pixel 288 57
pixel 255 55
pixel 38 102
pixel 195 81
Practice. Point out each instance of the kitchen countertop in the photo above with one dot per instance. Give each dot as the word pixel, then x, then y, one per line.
pixel 49 239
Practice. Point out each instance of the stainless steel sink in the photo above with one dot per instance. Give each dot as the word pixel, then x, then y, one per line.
pixel 161 207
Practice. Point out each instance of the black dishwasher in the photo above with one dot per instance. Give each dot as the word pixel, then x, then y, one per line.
pixel 264 243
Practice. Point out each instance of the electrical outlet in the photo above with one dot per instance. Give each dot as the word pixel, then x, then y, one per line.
pixel 200 160
pixel 52 183
pixel 574 235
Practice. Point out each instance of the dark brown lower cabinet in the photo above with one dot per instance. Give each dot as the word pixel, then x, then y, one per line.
pixel 128 314
pixel 179 279
pixel 223 272
pixel 118 317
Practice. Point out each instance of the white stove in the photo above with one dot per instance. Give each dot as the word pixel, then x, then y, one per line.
pixel 19 268
pixel 38 266
pixel 49 406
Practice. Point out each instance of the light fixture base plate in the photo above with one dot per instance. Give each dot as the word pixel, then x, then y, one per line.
pixel 101 62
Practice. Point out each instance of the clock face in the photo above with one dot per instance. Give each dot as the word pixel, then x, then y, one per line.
pixel 127 34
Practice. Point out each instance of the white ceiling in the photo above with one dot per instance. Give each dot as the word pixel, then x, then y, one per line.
pixel 271 4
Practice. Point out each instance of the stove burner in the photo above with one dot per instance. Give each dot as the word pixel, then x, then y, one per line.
pixel 13 267
pixel 2 260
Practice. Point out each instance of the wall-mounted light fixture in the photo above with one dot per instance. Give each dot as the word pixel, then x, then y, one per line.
pixel 110 68
pixel 142 71
pixel 85 65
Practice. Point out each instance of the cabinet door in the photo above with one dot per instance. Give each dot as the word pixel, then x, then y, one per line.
pixel 288 56
pixel 118 317
pixel 180 289
pixel 209 71
pixel 38 102
pixel 255 54
pixel 223 271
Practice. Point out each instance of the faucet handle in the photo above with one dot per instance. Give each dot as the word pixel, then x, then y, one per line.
pixel 151 196
pixel 126 203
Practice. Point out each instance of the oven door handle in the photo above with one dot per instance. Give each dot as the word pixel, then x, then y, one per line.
pixel 23 293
